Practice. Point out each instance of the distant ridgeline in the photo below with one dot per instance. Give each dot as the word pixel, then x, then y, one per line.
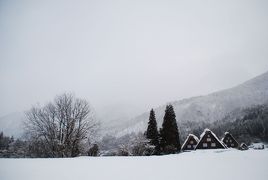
pixel 247 125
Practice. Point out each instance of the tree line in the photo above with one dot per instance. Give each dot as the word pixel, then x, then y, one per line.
pixel 66 127
pixel 247 125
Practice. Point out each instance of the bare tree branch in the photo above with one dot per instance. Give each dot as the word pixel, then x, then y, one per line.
pixel 61 125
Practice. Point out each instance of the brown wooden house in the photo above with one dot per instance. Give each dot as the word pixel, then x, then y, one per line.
pixel 229 140
pixel 208 140
pixel 190 143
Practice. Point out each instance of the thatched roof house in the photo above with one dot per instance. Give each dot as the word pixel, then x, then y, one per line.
pixel 229 140
pixel 208 140
pixel 190 143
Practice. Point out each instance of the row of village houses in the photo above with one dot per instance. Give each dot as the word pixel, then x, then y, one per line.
pixel 208 140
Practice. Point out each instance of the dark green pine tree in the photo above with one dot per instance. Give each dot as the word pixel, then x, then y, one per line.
pixel 169 133
pixel 152 132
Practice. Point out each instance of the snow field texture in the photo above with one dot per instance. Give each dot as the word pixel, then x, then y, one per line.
pixel 196 165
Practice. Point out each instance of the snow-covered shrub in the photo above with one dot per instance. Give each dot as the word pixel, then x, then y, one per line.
pixel 123 151
pixel 169 149
pixel 94 150
pixel 141 146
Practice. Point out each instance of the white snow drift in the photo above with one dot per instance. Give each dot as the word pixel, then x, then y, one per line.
pixel 197 165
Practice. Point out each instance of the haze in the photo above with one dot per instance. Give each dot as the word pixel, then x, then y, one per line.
pixel 129 54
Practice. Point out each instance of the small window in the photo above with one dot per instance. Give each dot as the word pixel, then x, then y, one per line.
pixel 208 139
pixel 213 144
pixel 208 135
pixel 205 145
pixel 232 145
pixel 191 142
pixel 189 146
pixel 227 141
pixel 230 140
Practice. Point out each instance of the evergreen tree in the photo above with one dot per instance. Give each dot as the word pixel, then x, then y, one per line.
pixel 169 134
pixel 152 132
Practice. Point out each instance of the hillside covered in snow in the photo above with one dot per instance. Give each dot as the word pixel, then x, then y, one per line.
pixel 190 112
pixel 12 124
pixel 209 108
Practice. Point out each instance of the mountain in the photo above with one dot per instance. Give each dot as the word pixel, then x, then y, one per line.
pixel 247 125
pixel 12 124
pixel 190 112
pixel 207 109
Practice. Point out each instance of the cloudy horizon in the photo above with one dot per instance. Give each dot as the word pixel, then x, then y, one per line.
pixel 142 54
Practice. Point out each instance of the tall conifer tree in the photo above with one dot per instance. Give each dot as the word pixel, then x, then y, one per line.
pixel 152 132
pixel 169 133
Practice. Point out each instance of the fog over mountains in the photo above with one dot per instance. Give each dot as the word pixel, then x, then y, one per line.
pixel 209 108
pixel 12 124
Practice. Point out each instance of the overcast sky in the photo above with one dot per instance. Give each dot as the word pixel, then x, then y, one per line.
pixel 139 53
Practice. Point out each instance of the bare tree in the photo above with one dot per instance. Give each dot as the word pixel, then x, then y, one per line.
pixel 61 126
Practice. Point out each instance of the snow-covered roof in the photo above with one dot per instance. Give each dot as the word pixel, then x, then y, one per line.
pixel 204 132
pixel 227 133
pixel 224 136
pixel 243 145
pixel 212 133
pixel 194 136
pixel 190 135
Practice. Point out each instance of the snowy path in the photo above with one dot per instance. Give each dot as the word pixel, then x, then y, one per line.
pixel 220 165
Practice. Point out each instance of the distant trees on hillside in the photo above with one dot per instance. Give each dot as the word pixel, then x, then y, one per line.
pixel 249 125
pixel 130 144
pixel 246 125
pixel 12 148
pixel 59 128
pixel 5 141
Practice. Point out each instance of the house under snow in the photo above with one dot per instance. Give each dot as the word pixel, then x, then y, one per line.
pixel 229 140
pixel 208 140
pixel 190 143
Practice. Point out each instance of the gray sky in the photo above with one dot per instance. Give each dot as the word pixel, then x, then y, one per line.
pixel 142 53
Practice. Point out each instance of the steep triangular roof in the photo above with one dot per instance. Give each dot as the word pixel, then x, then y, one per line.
pixel 229 135
pixel 187 139
pixel 214 135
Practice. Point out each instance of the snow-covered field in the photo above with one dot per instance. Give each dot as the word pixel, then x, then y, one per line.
pixel 202 164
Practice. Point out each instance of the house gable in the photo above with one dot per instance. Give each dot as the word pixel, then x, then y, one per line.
pixel 208 140
pixel 190 143
pixel 230 141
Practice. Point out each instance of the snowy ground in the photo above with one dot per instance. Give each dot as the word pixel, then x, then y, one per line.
pixel 203 164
